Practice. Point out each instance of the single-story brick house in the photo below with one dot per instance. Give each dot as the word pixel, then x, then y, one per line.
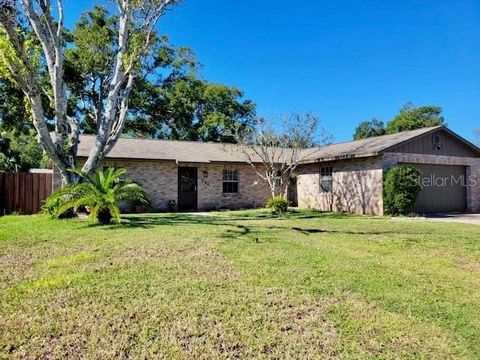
pixel 339 177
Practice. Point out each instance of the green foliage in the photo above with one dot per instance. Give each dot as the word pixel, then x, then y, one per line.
pixel 412 117
pixel 169 100
pixel 368 129
pixel 14 113
pixel 20 152
pixel 100 193
pixel 401 187
pixel 278 205
pixel 9 59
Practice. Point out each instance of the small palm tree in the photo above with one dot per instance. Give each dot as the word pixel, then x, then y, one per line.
pixel 100 193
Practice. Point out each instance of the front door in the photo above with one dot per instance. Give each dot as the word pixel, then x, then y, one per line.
pixel 187 188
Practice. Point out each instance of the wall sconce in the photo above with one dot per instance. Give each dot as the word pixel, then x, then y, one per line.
pixel 205 174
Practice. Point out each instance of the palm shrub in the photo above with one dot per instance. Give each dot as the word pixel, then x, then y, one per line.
pixel 99 193
pixel 278 204
pixel 401 187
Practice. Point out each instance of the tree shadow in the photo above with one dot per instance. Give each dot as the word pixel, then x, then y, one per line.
pixel 251 229
pixel 227 218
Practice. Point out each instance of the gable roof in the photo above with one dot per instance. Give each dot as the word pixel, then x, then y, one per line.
pixel 205 152
pixel 376 145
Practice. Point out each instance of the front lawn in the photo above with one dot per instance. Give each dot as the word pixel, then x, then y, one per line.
pixel 239 285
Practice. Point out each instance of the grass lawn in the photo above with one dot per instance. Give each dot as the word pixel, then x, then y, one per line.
pixel 239 285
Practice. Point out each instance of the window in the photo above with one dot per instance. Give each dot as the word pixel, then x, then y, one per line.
pixel 230 181
pixel 326 178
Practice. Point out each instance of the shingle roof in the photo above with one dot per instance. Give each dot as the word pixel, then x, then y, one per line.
pixel 366 147
pixel 198 152
pixel 167 150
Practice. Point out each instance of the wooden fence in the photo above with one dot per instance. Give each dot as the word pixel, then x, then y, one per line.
pixel 24 192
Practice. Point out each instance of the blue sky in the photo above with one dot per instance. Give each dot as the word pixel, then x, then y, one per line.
pixel 345 61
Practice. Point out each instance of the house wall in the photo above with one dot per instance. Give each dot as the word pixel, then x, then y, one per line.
pixel 160 181
pixel 357 186
pixel 448 145
pixel 472 170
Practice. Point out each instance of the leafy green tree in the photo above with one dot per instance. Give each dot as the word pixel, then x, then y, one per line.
pixel 32 54
pixel 13 109
pixel 193 109
pixel 168 101
pixel 20 152
pixel 368 129
pixel 412 117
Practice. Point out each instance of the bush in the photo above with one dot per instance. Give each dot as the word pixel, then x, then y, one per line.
pixel 278 204
pixel 101 193
pixel 401 187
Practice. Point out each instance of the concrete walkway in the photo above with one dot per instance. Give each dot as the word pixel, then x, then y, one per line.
pixel 460 218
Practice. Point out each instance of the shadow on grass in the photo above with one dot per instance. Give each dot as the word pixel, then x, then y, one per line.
pixel 215 218
pixel 252 228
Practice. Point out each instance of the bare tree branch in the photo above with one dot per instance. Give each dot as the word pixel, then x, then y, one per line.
pixel 276 154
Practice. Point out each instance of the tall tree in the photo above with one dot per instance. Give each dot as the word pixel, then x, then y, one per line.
pixel 411 117
pixel 368 129
pixel 32 43
pixel 169 100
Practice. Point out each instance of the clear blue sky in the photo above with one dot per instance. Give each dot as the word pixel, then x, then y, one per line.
pixel 345 61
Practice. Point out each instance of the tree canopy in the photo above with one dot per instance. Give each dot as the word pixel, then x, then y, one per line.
pixel 367 129
pixel 170 101
pixel 410 117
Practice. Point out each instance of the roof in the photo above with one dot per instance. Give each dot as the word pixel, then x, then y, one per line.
pixel 167 150
pixel 205 152
pixel 374 146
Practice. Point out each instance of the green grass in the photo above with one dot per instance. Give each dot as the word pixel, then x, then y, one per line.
pixel 239 285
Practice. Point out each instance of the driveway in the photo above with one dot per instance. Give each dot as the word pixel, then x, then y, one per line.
pixel 460 218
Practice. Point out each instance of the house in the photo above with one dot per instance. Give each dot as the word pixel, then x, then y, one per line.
pixel 339 177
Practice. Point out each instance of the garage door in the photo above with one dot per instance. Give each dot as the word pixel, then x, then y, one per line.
pixel 443 189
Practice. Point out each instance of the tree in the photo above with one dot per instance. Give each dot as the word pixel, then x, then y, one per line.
pixel 20 152
pixel 368 129
pixel 477 134
pixel 412 117
pixel 167 101
pixel 275 152
pixel 32 43
pixel 193 109
pixel 13 110
pixel 100 192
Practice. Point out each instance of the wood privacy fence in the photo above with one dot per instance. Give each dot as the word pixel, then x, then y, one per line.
pixel 24 192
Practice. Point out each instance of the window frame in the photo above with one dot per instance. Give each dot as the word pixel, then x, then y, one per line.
pixel 326 177
pixel 230 181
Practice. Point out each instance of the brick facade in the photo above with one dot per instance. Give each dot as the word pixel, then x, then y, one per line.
pixel 357 183
pixel 357 186
pixel 160 181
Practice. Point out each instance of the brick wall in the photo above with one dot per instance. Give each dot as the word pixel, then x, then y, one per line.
pixel 472 165
pixel 160 181
pixel 357 187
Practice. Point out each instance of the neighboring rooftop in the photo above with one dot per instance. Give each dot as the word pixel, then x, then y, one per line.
pixel 198 152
